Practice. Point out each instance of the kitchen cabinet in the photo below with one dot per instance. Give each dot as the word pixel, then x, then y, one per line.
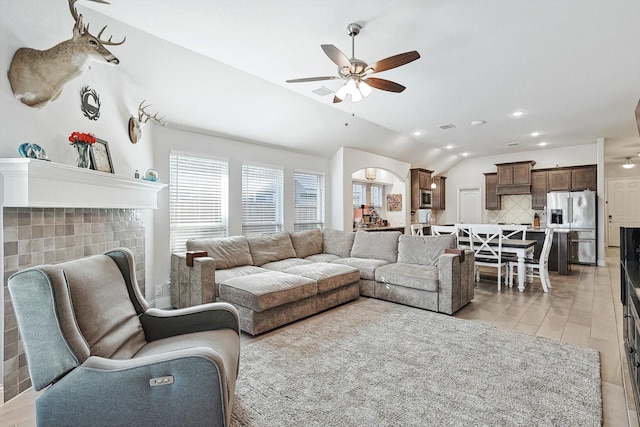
pixel 491 197
pixel 420 180
pixel 559 180
pixel 438 193
pixel 515 177
pixel 538 189
pixel 575 178
pixel 584 178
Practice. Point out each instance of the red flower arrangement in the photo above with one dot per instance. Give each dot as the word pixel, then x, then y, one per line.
pixel 82 138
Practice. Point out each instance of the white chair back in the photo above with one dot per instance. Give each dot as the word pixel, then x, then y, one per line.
pixel 512 231
pixel 439 230
pixel 416 229
pixel 546 246
pixel 486 240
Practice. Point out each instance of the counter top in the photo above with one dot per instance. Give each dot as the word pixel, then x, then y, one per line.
pixel 381 228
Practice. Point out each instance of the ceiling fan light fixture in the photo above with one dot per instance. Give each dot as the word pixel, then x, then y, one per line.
pixel 342 92
pixel 365 89
pixel 356 96
pixel 628 163
pixel 351 86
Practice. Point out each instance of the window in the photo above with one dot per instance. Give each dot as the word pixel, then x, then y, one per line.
pixel 308 200
pixel 377 194
pixel 359 195
pixel 262 195
pixel 198 199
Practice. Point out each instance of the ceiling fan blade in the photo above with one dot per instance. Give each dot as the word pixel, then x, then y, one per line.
pixel 312 79
pixel 336 55
pixel 638 116
pixel 336 100
pixel 392 62
pixel 383 84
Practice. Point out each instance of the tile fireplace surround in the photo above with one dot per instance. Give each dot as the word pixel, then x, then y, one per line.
pixel 53 213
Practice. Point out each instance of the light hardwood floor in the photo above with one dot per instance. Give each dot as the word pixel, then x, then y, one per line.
pixel 583 309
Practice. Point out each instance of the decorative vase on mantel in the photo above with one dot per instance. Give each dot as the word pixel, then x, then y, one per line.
pixel 82 154
pixel 82 143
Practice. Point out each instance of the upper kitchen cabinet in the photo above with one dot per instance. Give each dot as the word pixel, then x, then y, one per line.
pixel 538 189
pixel 491 197
pixel 420 180
pixel 584 178
pixel 559 180
pixel 514 178
pixel 438 193
pixel 575 178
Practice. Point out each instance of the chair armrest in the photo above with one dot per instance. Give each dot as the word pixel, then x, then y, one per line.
pixel 192 285
pixel 119 392
pixel 158 324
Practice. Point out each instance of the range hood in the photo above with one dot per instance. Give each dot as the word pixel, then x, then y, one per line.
pixel 508 190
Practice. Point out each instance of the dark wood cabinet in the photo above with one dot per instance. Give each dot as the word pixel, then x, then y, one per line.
pixel 584 178
pixel 438 193
pixel 515 177
pixel 559 180
pixel 420 180
pixel 538 189
pixel 491 197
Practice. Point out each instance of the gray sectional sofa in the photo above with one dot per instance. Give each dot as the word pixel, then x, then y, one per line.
pixel 282 277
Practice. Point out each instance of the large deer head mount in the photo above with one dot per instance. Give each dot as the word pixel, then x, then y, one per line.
pixel 136 124
pixel 38 76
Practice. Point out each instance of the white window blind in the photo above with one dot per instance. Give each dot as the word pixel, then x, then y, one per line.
pixel 262 199
pixel 308 201
pixel 359 195
pixel 198 199
pixel 377 193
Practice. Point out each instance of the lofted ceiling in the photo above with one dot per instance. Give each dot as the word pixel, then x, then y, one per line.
pixel 572 67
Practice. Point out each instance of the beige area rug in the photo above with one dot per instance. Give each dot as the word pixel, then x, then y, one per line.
pixel 375 363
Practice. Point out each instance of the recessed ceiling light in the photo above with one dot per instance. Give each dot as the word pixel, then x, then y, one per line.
pixel 449 147
pixel 517 114
pixel 542 143
pixel 535 134
pixel 465 154
pixel 478 122
pixel 417 133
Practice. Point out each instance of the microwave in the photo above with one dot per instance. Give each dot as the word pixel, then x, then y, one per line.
pixel 425 199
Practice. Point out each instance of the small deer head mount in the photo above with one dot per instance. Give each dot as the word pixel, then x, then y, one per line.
pixel 136 124
pixel 38 76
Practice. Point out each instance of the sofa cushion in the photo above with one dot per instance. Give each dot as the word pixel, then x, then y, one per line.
pixel 308 242
pixel 243 270
pixel 414 276
pixel 424 250
pixel 337 242
pixel 366 266
pixel 376 244
pixel 226 251
pixel 322 258
pixel 271 247
pixel 283 264
pixel 262 291
pixel 328 276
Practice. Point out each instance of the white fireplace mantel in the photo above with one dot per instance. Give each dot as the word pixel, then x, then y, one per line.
pixel 43 184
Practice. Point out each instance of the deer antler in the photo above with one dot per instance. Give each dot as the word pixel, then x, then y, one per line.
pixel 143 116
pixel 85 29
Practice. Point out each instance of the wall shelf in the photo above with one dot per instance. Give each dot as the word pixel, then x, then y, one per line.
pixel 42 184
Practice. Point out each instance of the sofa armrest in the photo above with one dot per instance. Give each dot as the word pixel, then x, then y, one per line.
pixel 455 274
pixel 192 285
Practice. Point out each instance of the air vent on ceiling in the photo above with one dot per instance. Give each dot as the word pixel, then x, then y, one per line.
pixel 512 144
pixel 447 126
pixel 322 91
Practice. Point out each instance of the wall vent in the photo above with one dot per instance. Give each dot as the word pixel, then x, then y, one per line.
pixel 322 91
pixel 447 126
pixel 512 144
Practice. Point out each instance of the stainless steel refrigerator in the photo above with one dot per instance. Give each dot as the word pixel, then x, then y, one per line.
pixel 575 212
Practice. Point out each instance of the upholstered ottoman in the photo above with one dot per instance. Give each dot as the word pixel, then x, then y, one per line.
pixel 270 299
pixel 337 283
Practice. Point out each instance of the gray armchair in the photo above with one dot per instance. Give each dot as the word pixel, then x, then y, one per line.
pixel 108 359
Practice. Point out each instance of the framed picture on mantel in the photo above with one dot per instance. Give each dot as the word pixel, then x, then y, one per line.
pixel 101 157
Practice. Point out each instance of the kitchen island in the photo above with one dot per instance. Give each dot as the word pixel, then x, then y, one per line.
pixel 380 228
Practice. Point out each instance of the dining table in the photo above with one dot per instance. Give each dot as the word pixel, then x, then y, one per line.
pixel 523 249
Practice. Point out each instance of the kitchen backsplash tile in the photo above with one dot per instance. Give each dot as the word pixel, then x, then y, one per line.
pixel 516 209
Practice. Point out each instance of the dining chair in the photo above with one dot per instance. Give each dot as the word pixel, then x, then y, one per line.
pixel 538 267
pixel 486 243
pixel 514 231
pixel 416 229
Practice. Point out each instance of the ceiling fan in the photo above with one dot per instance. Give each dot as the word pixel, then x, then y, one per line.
pixel 356 72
